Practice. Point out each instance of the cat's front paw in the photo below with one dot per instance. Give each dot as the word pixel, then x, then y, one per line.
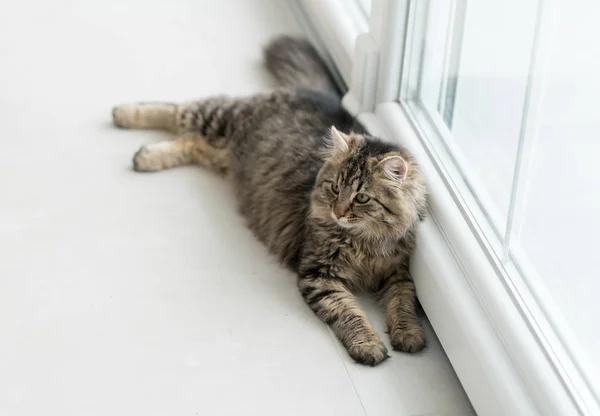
pixel 145 160
pixel 368 353
pixel 408 340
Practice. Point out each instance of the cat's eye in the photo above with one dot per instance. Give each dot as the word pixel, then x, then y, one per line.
pixel 335 188
pixel 362 198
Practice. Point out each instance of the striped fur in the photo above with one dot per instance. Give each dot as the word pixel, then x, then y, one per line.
pixel 334 204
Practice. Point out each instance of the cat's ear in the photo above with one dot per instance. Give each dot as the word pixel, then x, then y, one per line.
pixel 339 141
pixel 394 167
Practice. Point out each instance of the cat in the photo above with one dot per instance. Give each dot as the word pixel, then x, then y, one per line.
pixel 336 205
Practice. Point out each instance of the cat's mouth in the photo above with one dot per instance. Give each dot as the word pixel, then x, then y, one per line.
pixel 345 222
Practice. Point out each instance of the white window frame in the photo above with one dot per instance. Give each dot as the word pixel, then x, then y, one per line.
pixel 506 343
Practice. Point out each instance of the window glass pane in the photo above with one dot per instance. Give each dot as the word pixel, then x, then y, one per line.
pixel 489 103
pixel 490 91
pixel 469 66
pixel 560 220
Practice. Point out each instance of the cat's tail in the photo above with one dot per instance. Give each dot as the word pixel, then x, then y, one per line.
pixel 295 63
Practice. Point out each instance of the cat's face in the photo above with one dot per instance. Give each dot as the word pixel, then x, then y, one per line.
pixel 368 187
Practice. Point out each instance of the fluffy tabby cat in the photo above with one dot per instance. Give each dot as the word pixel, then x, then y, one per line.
pixel 336 205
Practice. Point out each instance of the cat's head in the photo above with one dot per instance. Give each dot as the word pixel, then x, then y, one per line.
pixel 369 187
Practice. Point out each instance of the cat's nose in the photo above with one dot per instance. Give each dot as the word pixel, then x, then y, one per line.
pixel 339 211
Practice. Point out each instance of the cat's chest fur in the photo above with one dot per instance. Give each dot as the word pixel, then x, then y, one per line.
pixel 361 264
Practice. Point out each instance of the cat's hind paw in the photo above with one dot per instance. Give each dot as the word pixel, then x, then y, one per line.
pixel 122 115
pixel 147 159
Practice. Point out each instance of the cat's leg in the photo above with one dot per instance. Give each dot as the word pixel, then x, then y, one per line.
pixel 399 299
pixel 331 301
pixel 159 116
pixel 186 149
pixel 212 117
